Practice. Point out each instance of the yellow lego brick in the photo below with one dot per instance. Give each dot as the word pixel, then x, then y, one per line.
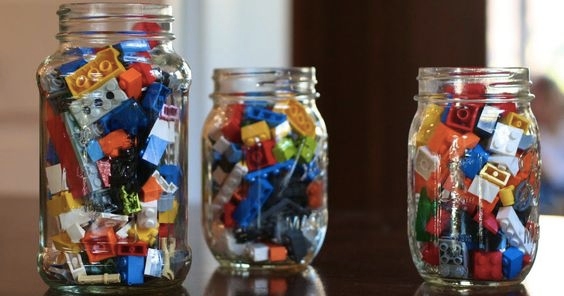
pixel 256 131
pixel 495 175
pixel 506 196
pixel 430 119
pixel 63 243
pixel 170 215
pixel 516 120
pixel 298 117
pixel 96 72
pixel 148 235
pixel 62 202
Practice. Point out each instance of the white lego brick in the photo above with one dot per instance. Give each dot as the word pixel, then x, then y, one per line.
pixel 153 263
pixel 505 139
pixel 231 183
pixel 258 252
pixel 517 235
pixel 75 232
pixel 147 218
pixel 510 162
pixel 56 178
pixel 111 220
pixel 281 131
pixel 122 233
pixel 164 130
pixel 426 162
pixel 78 216
pixel 76 266
pixel 483 189
pixel 221 145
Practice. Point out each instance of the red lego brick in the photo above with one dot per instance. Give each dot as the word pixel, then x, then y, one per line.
pixel 488 266
pixel 166 229
pixel 138 248
pixel 463 117
pixel 232 128
pixel 488 220
pixel 430 253
pixel 63 146
pixel 438 223
pixel 145 69
pixel 315 194
pixel 260 155
pixel 228 210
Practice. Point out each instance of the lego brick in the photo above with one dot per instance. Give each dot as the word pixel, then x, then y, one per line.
pixel 488 119
pixel 151 190
pixel 231 128
pixel 277 253
pixel 56 179
pixel 96 72
pixel 453 258
pixel 131 82
pixel 255 113
pixel 516 120
pixel 484 189
pixel 164 130
pixel 147 217
pixel 93 105
pixel 509 163
pixel 505 139
pixel 112 143
pixel 154 99
pixel 147 78
pixel 257 252
pixel 495 175
pixel 488 266
pixel 512 262
pixel 517 235
pixel 506 195
pixel 426 162
pixel 100 243
pixel 61 203
pixel 429 120
pixel 78 216
pixel 230 184
pixel 473 161
pixel 256 132
pixel 154 149
pixel 247 210
pixel 298 117
pixel 169 216
pixel 463 117
pixel 128 116
pixel 153 263
pixel 131 269
pixel 296 244
pixel 284 149
pixel 138 248
pixel 307 149
pixel 281 131
pixel 260 155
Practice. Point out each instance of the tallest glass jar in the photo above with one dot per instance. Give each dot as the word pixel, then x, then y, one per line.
pixel 265 169
pixel 473 177
pixel 113 151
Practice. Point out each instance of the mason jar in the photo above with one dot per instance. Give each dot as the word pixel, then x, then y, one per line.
pixel 113 151
pixel 264 169
pixel 473 177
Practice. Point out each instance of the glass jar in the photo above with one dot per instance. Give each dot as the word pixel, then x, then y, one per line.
pixel 113 151
pixel 473 177
pixel 264 169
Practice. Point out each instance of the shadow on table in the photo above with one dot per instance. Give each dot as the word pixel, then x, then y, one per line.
pixel 427 289
pixel 223 282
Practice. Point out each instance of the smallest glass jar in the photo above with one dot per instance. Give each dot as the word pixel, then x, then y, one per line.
pixel 264 169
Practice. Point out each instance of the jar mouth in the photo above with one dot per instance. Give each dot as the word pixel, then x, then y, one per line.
pixel 114 21
pixel 264 82
pixel 494 83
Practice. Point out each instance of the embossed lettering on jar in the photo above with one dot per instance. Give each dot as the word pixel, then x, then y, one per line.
pixel 113 152
pixel 473 177
pixel 264 169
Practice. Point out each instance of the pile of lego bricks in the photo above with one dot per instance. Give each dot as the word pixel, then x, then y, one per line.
pixel 266 181
pixel 110 117
pixel 476 169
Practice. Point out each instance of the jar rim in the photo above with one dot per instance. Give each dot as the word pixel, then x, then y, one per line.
pixel 103 8
pixel 500 84
pixel 264 82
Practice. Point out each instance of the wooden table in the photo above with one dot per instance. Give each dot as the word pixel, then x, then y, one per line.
pixel 365 253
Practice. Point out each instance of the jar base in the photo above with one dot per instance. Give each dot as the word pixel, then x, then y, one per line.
pixel 170 288
pixel 237 268
pixel 468 283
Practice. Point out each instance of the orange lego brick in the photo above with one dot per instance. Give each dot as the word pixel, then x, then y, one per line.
pixel 277 253
pixel 131 82
pixel 299 119
pixel 315 194
pixel 151 190
pixel 114 141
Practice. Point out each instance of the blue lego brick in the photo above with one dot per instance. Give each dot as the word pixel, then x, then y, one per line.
pixel 154 149
pixel 133 46
pixel 248 208
pixel 171 173
pixel 444 115
pixel 94 150
pixel 131 269
pixel 51 156
pixel 267 171
pixel 70 67
pixel 259 114
pixel 527 141
pixel 234 153
pixel 512 262
pixel 128 116
pixel 473 161
pixel 153 99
